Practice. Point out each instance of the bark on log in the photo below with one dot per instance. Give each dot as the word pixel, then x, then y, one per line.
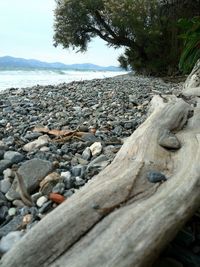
pixel 120 218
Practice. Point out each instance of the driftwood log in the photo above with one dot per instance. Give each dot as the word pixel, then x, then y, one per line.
pixel 120 218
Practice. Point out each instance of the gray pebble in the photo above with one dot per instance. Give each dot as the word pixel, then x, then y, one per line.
pixel 4 164
pixel 87 154
pixel 168 140
pixel 78 170
pixel 5 185
pixel 155 177
pixel 59 188
pixel 13 156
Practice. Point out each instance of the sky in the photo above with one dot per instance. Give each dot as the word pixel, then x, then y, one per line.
pixel 26 30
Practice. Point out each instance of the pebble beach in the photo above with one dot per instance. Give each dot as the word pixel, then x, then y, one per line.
pixel 57 138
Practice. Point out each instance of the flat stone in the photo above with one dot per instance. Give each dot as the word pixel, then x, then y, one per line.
pixel 18 203
pixel 36 144
pixel 89 137
pixel 98 163
pixel 168 140
pixel 32 135
pixel 8 241
pixel 13 156
pixel 33 172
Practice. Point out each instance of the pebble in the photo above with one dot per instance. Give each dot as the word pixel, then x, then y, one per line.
pixel 59 188
pixel 5 185
pixel 168 140
pixel 57 198
pixel 13 156
pixel 41 141
pixel 32 172
pixel 41 200
pixel 156 177
pixel 4 164
pixel 12 211
pixel 96 148
pixel 78 170
pixel 86 154
pixel 49 182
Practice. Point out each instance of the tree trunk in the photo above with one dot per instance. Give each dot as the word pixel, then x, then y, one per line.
pixel 120 218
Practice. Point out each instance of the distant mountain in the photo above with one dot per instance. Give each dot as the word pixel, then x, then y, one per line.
pixel 8 62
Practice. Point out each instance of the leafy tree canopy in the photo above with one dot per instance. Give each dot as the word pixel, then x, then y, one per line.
pixel 146 28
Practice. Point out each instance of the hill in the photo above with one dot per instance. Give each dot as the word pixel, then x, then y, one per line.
pixel 9 62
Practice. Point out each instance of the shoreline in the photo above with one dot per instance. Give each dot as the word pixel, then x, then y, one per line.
pixel 23 79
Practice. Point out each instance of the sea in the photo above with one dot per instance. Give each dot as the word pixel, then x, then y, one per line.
pixel 26 78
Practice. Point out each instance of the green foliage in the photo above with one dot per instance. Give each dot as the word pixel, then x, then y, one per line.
pixel 146 28
pixel 191 49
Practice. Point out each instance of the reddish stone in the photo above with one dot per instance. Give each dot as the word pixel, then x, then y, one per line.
pixel 57 198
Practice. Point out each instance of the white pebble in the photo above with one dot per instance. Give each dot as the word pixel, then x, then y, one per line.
pixel 41 201
pixel 96 148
